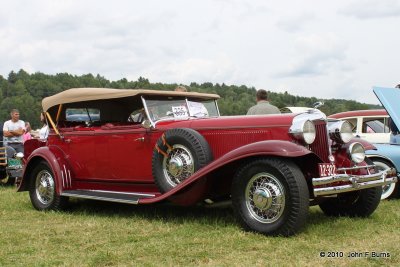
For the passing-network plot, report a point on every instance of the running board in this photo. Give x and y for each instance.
(112, 196)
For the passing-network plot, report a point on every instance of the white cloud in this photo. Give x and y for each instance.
(296, 22)
(216, 70)
(316, 55)
(295, 46)
(371, 9)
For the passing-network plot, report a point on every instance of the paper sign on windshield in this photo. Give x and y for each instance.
(180, 112)
(197, 109)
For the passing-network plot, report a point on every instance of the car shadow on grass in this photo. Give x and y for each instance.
(220, 213)
(158, 212)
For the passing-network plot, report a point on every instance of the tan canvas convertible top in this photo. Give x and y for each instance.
(86, 94)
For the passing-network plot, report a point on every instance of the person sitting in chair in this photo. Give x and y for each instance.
(13, 131)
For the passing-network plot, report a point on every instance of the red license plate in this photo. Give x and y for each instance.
(326, 169)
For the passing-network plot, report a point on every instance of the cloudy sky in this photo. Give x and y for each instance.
(326, 49)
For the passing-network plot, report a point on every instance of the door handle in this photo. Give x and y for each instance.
(67, 141)
(140, 139)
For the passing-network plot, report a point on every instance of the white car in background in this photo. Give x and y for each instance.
(371, 125)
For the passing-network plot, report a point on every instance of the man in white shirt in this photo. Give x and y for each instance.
(13, 130)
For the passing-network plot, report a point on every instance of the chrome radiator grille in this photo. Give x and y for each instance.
(321, 143)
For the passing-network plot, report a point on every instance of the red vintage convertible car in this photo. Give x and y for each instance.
(146, 146)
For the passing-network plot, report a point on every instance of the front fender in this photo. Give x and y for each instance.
(389, 152)
(263, 148)
(367, 145)
(55, 158)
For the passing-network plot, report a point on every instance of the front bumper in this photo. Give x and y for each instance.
(14, 172)
(357, 182)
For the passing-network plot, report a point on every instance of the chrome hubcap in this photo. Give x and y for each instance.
(175, 166)
(265, 198)
(262, 198)
(178, 165)
(45, 187)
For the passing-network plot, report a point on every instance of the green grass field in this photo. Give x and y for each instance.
(92, 233)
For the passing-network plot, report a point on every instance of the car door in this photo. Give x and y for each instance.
(126, 153)
(80, 146)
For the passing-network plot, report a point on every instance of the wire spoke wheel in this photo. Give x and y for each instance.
(178, 165)
(270, 196)
(44, 187)
(265, 198)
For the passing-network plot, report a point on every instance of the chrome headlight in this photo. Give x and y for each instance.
(341, 131)
(356, 152)
(304, 131)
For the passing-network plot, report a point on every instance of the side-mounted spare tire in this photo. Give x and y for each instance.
(177, 155)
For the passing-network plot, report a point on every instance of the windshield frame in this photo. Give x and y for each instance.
(153, 122)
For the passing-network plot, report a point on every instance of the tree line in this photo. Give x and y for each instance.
(25, 92)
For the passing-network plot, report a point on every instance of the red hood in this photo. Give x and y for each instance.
(232, 122)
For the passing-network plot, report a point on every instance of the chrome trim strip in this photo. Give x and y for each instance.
(101, 198)
(69, 178)
(122, 193)
(66, 177)
(62, 178)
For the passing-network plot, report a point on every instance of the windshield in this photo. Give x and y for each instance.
(180, 109)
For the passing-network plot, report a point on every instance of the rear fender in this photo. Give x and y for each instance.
(264, 148)
(56, 160)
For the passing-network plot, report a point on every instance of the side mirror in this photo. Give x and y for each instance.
(146, 124)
